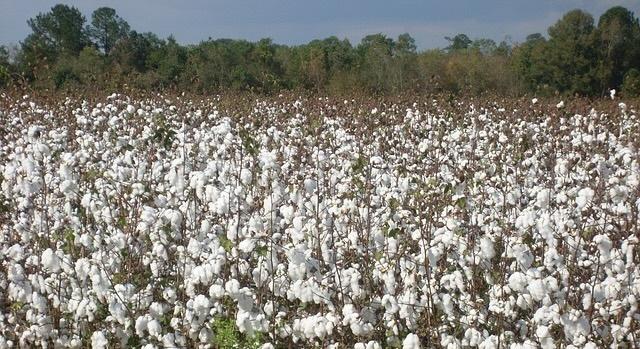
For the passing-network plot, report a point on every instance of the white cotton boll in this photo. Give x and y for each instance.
(168, 341)
(373, 345)
(216, 291)
(490, 342)
(518, 281)
(131, 109)
(537, 289)
(160, 251)
(298, 223)
(245, 176)
(16, 253)
(390, 304)
(586, 301)
(68, 188)
(50, 262)
(169, 294)
(310, 185)
(585, 195)
(560, 105)
(154, 328)
(247, 245)
(542, 198)
(156, 310)
(411, 341)
(232, 287)
(118, 311)
(201, 305)
(472, 337)
(267, 346)
(141, 325)
(423, 146)
(194, 248)
(447, 304)
(137, 189)
(98, 340)
(604, 246)
(487, 250)
(546, 341)
(534, 101)
(205, 335)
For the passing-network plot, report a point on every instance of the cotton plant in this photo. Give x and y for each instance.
(171, 222)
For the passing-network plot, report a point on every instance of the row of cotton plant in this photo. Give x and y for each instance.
(173, 222)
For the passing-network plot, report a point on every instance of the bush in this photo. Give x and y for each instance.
(631, 83)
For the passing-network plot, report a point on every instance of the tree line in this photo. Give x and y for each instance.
(578, 56)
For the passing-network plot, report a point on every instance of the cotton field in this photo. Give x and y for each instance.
(284, 222)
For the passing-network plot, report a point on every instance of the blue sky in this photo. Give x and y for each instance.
(296, 22)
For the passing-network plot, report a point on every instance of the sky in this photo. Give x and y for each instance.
(294, 22)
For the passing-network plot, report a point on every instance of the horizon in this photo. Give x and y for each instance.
(288, 22)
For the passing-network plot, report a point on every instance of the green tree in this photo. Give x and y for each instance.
(484, 46)
(376, 55)
(168, 62)
(458, 42)
(631, 83)
(572, 55)
(107, 28)
(131, 53)
(61, 29)
(530, 62)
(618, 36)
(90, 67)
(404, 65)
(4, 66)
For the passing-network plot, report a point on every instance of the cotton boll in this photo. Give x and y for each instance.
(205, 335)
(169, 294)
(50, 262)
(373, 345)
(542, 198)
(518, 281)
(411, 341)
(585, 195)
(201, 306)
(98, 340)
(487, 250)
(604, 244)
(16, 253)
(472, 337)
(490, 342)
(232, 287)
(141, 325)
(546, 341)
(245, 176)
(310, 185)
(216, 291)
(390, 304)
(537, 289)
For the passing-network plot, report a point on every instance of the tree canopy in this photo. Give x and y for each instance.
(578, 56)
